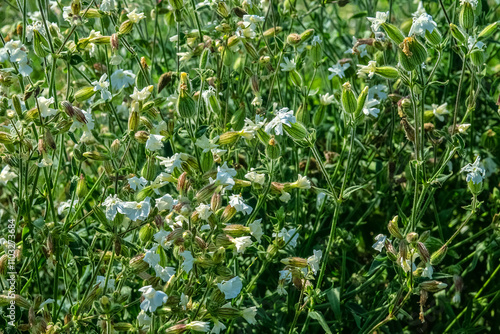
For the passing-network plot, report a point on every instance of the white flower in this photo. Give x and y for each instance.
(231, 288)
(165, 273)
(284, 116)
(253, 18)
(428, 270)
(184, 301)
(473, 43)
(285, 197)
(101, 281)
(143, 319)
(15, 52)
(151, 257)
(218, 327)
(476, 173)
(326, 99)
(45, 162)
(377, 91)
(122, 79)
(187, 265)
(256, 229)
(367, 69)
(46, 302)
(6, 175)
(316, 40)
(204, 211)
(462, 128)
(112, 202)
(107, 5)
(135, 210)
(44, 106)
(315, 260)
(152, 298)
(143, 94)
(135, 17)
(224, 176)
(378, 20)
(473, 3)
(154, 142)
(242, 243)
(236, 201)
(257, 101)
(249, 315)
(166, 202)
(369, 109)
(421, 24)
(206, 144)
(338, 70)
(137, 183)
(199, 326)
(320, 200)
(161, 237)
(439, 111)
(171, 163)
(302, 183)
(255, 177)
(102, 86)
(380, 242)
(288, 65)
(287, 236)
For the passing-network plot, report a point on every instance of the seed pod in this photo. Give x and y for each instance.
(393, 32)
(458, 34)
(390, 251)
(295, 262)
(387, 72)
(273, 150)
(488, 31)
(125, 27)
(319, 116)
(16, 102)
(477, 57)
(438, 255)
(306, 35)
(49, 139)
(133, 121)
(95, 155)
(422, 250)
(146, 233)
(293, 39)
(227, 214)
(348, 100)
(236, 230)
(81, 187)
(222, 9)
(252, 51)
(433, 286)
(466, 16)
(316, 52)
(68, 108)
(297, 131)
(137, 263)
(413, 53)
(85, 93)
(434, 37)
(296, 78)
(409, 130)
(271, 32)
(186, 106)
(216, 202)
(394, 229)
(228, 138)
(101, 40)
(240, 12)
(361, 101)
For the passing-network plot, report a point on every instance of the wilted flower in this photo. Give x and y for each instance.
(380, 242)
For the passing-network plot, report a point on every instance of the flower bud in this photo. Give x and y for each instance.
(306, 35)
(236, 230)
(81, 187)
(319, 116)
(297, 131)
(387, 72)
(164, 81)
(348, 100)
(439, 255)
(133, 121)
(186, 106)
(227, 214)
(412, 53)
(85, 93)
(393, 32)
(394, 229)
(434, 37)
(125, 27)
(295, 262)
(101, 40)
(216, 202)
(458, 34)
(252, 51)
(424, 236)
(16, 102)
(433, 286)
(488, 31)
(412, 237)
(293, 39)
(422, 250)
(146, 233)
(466, 16)
(273, 150)
(271, 32)
(6, 138)
(95, 155)
(390, 251)
(361, 101)
(223, 9)
(477, 57)
(141, 137)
